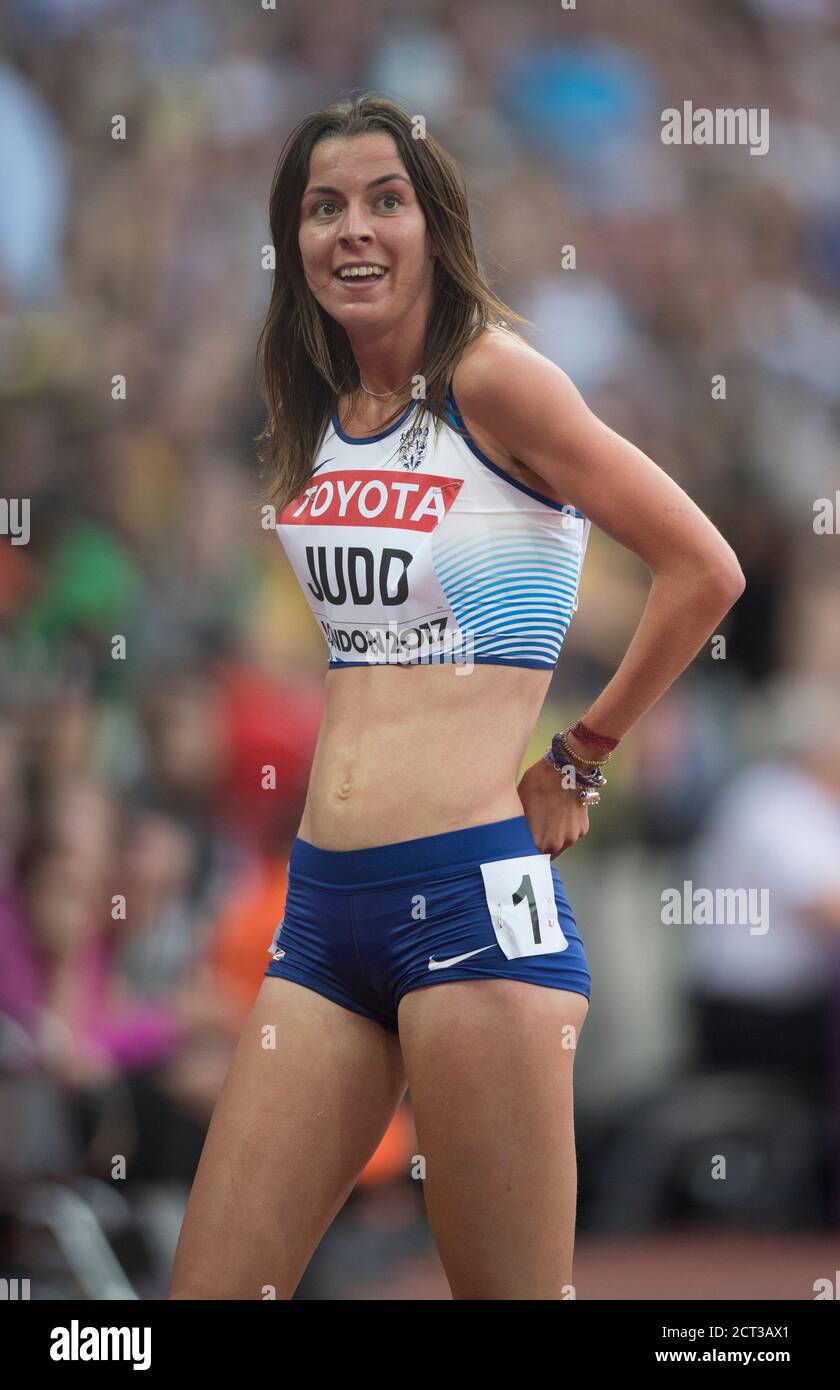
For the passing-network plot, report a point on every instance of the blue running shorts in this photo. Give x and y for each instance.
(364, 926)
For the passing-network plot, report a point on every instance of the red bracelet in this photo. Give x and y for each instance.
(586, 735)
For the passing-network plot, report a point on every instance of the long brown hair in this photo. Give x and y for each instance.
(305, 358)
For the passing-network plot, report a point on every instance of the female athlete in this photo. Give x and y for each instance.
(436, 480)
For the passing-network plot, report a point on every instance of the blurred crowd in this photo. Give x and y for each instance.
(161, 677)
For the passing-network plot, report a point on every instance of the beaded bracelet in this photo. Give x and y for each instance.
(589, 793)
(587, 762)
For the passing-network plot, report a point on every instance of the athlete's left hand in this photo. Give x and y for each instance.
(555, 816)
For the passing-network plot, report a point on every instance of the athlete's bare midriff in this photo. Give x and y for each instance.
(408, 751)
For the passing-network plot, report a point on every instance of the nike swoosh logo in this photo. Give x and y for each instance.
(321, 465)
(453, 960)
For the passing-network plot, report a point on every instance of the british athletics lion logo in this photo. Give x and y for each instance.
(412, 447)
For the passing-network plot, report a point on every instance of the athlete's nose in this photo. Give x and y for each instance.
(348, 238)
(354, 228)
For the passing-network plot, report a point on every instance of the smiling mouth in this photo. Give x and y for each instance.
(356, 280)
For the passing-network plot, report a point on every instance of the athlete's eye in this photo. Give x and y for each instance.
(326, 203)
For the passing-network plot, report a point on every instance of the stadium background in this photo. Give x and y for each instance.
(141, 776)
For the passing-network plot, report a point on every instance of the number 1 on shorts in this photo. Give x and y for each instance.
(510, 885)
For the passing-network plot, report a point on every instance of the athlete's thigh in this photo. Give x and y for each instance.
(489, 1066)
(311, 1089)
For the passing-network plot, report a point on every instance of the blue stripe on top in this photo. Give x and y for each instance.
(457, 419)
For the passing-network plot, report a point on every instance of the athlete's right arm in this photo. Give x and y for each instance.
(531, 408)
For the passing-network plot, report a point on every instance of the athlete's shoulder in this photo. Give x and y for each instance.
(500, 377)
(486, 359)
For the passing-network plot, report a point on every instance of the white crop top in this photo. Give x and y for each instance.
(412, 547)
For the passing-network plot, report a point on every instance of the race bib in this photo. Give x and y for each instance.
(520, 896)
(275, 949)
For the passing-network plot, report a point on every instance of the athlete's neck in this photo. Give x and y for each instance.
(366, 414)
